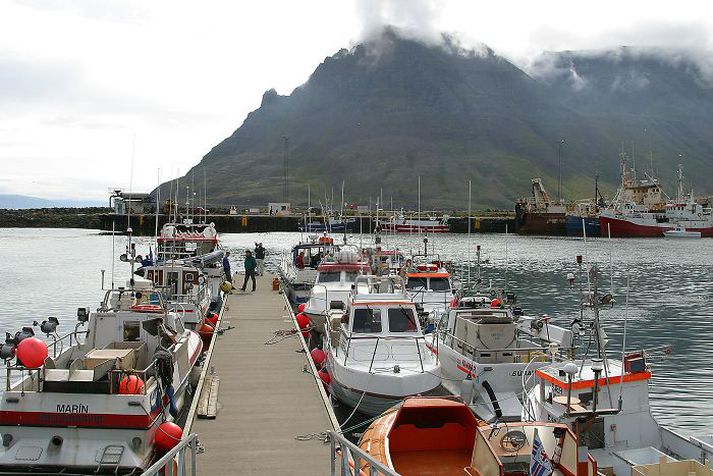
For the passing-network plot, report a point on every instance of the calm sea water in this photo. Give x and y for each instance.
(49, 272)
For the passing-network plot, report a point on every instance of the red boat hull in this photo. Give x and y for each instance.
(621, 228)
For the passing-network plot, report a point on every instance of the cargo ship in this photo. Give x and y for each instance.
(540, 215)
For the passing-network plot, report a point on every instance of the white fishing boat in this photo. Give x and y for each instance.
(429, 285)
(402, 224)
(376, 352)
(681, 232)
(606, 401)
(298, 269)
(333, 285)
(195, 245)
(95, 402)
(489, 348)
(185, 289)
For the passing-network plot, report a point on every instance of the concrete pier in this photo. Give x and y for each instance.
(266, 399)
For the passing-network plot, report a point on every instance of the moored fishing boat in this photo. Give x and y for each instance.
(402, 224)
(490, 348)
(335, 279)
(426, 436)
(429, 284)
(298, 269)
(681, 232)
(96, 404)
(376, 352)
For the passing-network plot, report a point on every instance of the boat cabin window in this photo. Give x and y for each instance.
(132, 331)
(367, 320)
(402, 319)
(350, 276)
(440, 284)
(416, 283)
(329, 276)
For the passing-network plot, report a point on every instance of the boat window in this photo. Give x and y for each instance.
(440, 284)
(367, 320)
(402, 319)
(132, 331)
(329, 276)
(416, 283)
(350, 276)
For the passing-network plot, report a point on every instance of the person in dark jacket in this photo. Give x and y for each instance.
(250, 265)
(260, 258)
(226, 268)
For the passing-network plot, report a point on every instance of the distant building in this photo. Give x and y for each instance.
(134, 203)
(279, 208)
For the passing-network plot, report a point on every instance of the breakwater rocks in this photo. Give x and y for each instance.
(53, 218)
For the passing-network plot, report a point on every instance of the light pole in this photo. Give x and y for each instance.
(559, 163)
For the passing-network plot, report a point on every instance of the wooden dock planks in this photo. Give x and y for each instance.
(265, 398)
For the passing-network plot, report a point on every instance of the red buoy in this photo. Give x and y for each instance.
(318, 357)
(301, 307)
(167, 436)
(131, 385)
(495, 303)
(454, 303)
(302, 320)
(32, 352)
(324, 377)
(212, 318)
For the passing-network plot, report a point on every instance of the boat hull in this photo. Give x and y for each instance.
(573, 225)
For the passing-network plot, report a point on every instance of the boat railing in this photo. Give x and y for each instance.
(415, 338)
(519, 354)
(115, 376)
(174, 462)
(347, 459)
(71, 337)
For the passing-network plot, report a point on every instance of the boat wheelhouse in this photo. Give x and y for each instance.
(333, 285)
(429, 285)
(376, 351)
(298, 270)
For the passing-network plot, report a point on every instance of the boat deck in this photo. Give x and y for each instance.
(265, 399)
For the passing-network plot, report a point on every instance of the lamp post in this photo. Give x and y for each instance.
(559, 163)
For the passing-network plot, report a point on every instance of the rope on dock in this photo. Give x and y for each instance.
(284, 334)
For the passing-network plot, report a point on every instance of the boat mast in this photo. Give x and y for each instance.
(470, 190)
(158, 203)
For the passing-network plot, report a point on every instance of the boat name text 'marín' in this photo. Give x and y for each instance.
(72, 408)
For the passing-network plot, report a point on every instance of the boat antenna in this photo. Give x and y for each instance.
(341, 214)
(611, 267)
(205, 199)
(158, 204)
(470, 255)
(113, 250)
(309, 209)
(419, 203)
(623, 342)
(507, 262)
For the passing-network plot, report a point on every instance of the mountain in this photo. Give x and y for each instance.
(16, 202)
(392, 109)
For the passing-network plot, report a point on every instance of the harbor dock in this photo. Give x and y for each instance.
(271, 409)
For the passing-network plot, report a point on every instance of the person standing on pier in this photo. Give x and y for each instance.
(260, 258)
(250, 265)
(226, 268)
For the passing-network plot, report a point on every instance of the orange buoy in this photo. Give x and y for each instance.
(324, 377)
(318, 357)
(131, 385)
(495, 303)
(167, 436)
(275, 284)
(32, 352)
(301, 307)
(206, 330)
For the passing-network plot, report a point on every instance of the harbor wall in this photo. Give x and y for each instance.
(145, 224)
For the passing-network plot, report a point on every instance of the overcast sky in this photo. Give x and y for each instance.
(86, 84)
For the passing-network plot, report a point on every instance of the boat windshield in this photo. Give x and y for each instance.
(402, 320)
(367, 321)
(416, 283)
(440, 284)
(329, 276)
